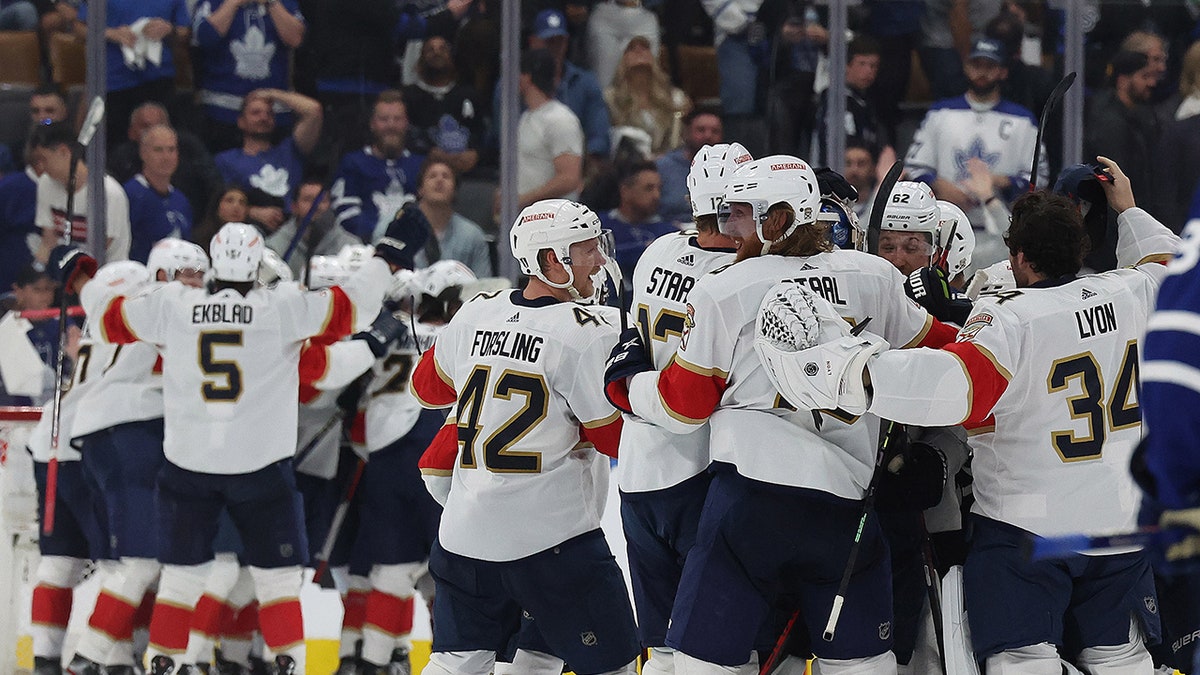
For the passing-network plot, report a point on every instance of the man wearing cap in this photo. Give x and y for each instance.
(1120, 122)
(973, 136)
(575, 87)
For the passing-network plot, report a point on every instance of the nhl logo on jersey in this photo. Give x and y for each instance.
(588, 638)
(1151, 604)
(885, 630)
(810, 369)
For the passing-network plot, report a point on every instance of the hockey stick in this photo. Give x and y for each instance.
(868, 504)
(311, 445)
(302, 227)
(45, 314)
(335, 526)
(1044, 548)
(91, 122)
(931, 589)
(1052, 102)
(875, 224)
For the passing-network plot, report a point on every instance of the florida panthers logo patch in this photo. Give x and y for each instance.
(972, 327)
(688, 322)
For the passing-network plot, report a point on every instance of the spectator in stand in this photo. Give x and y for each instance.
(574, 87)
(896, 24)
(635, 222)
(141, 66)
(701, 127)
(741, 43)
(950, 28)
(862, 122)
(445, 116)
(1176, 168)
(978, 135)
(196, 177)
(266, 172)
(455, 237)
(19, 235)
(861, 172)
(354, 48)
(550, 140)
(156, 209)
(1027, 86)
(321, 237)
(33, 289)
(374, 182)
(20, 15)
(1120, 122)
(796, 39)
(230, 205)
(1154, 46)
(241, 46)
(611, 26)
(642, 96)
(46, 104)
(55, 144)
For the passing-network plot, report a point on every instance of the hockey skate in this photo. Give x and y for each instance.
(283, 665)
(399, 664)
(163, 665)
(81, 666)
(47, 666)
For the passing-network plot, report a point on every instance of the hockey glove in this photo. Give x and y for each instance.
(834, 184)
(405, 236)
(68, 264)
(1185, 547)
(915, 479)
(628, 358)
(385, 330)
(930, 288)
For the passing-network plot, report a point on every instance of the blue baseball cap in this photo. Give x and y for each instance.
(550, 23)
(988, 49)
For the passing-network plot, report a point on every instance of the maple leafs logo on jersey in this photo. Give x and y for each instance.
(688, 260)
(1087, 294)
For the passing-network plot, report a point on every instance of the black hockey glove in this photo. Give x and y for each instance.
(385, 330)
(67, 264)
(834, 184)
(930, 288)
(914, 480)
(628, 358)
(405, 236)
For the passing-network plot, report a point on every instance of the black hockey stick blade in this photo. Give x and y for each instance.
(875, 224)
(1052, 102)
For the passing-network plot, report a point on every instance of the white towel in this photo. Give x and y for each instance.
(144, 49)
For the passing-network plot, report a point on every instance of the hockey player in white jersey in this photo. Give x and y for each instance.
(119, 424)
(521, 528)
(769, 458)
(1052, 366)
(80, 528)
(662, 476)
(230, 366)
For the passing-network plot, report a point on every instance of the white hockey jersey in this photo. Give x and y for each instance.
(528, 377)
(230, 362)
(128, 389)
(1053, 372)
(92, 359)
(716, 374)
(391, 408)
(653, 458)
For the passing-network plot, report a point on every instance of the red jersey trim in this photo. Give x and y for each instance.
(688, 393)
(935, 334)
(987, 381)
(114, 325)
(438, 459)
(432, 387)
(340, 319)
(606, 437)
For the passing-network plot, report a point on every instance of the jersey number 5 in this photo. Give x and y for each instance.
(217, 391)
(498, 457)
(1120, 411)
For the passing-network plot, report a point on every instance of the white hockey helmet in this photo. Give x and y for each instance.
(352, 256)
(762, 183)
(122, 277)
(711, 170)
(236, 251)
(911, 207)
(552, 224)
(325, 271)
(442, 275)
(954, 223)
(273, 269)
(171, 255)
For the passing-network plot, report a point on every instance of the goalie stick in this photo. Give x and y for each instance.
(1052, 102)
(875, 224)
(91, 123)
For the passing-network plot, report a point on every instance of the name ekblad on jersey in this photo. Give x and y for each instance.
(670, 284)
(1093, 321)
(509, 344)
(218, 313)
(826, 287)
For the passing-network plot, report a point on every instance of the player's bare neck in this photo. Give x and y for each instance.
(539, 289)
